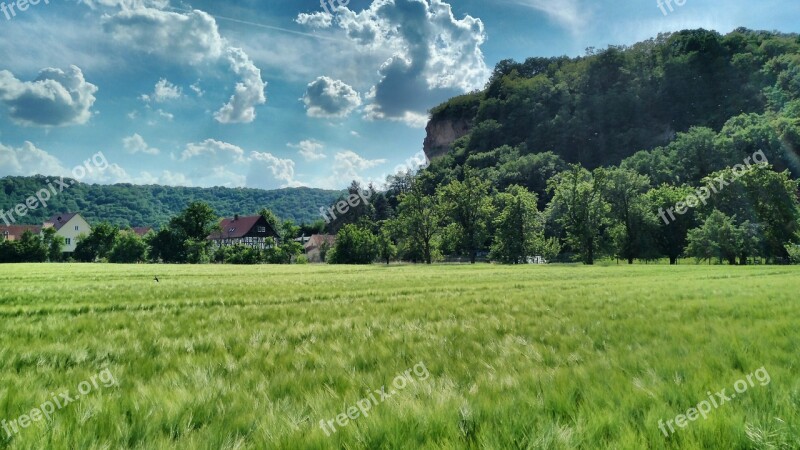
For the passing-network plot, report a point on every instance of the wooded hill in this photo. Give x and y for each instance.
(128, 205)
(598, 109)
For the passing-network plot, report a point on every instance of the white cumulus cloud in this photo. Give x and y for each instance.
(329, 98)
(213, 150)
(163, 91)
(310, 150)
(136, 144)
(55, 98)
(435, 55)
(248, 93)
(188, 37)
(267, 171)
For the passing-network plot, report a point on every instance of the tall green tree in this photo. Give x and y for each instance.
(579, 208)
(468, 205)
(670, 234)
(419, 220)
(520, 229)
(98, 244)
(54, 244)
(625, 190)
(718, 237)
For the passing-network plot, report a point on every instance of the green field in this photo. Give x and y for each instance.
(528, 357)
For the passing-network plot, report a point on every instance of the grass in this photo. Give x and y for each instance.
(529, 357)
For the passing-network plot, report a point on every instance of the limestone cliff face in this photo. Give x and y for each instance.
(441, 133)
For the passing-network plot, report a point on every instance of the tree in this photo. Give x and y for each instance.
(468, 205)
(54, 244)
(271, 219)
(9, 252)
(185, 239)
(31, 249)
(763, 197)
(519, 228)
(418, 221)
(386, 248)
(624, 190)
(354, 245)
(196, 222)
(718, 237)
(128, 248)
(579, 208)
(166, 245)
(98, 244)
(670, 235)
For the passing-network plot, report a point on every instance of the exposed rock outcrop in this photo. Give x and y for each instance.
(441, 133)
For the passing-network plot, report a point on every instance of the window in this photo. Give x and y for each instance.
(262, 229)
(69, 241)
(76, 228)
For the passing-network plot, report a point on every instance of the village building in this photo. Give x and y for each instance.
(251, 231)
(69, 226)
(316, 244)
(15, 232)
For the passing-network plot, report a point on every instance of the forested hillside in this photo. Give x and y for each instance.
(128, 205)
(599, 109)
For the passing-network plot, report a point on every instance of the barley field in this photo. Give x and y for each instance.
(491, 357)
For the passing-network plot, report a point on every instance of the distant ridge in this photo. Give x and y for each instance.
(153, 205)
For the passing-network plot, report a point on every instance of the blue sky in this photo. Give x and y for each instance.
(273, 94)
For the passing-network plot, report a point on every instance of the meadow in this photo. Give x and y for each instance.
(526, 357)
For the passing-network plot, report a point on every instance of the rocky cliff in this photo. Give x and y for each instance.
(441, 133)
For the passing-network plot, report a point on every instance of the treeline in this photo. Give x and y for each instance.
(126, 205)
(735, 215)
(183, 240)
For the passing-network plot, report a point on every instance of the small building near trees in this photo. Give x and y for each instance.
(252, 231)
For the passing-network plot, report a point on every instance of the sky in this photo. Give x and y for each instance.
(272, 94)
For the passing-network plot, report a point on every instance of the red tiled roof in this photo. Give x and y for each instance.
(59, 220)
(16, 231)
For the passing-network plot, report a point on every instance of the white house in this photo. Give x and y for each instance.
(69, 226)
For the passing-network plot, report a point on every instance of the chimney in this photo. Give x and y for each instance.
(235, 217)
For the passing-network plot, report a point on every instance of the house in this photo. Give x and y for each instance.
(252, 231)
(69, 226)
(315, 244)
(14, 232)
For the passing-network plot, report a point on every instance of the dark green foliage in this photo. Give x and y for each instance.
(128, 249)
(125, 205)
(354, 245)
(98, 244)
(599, 109)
